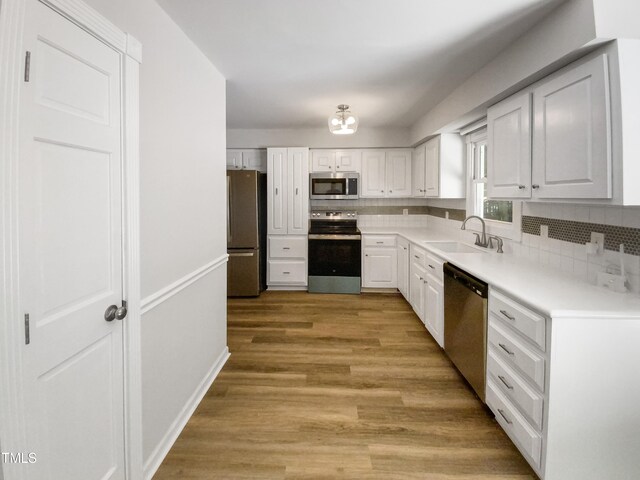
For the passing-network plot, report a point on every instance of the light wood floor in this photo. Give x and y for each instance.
(338, 386)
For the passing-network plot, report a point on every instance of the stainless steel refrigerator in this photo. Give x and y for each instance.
(246, 232)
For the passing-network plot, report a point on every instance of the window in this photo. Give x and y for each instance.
(502, 216)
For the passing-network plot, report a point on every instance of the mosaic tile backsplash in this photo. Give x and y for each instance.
(580, 232)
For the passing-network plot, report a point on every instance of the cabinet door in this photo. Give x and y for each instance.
(298, 191)
(418, 171)
(380, 268)
(572, 134)
(432, 168)
(403, 268)
(276, 190)
(509, 148)
(254, 160)
(416, 289)
(323, 161)
(348, 160)
(234, 159)
(372, 174)
(434, 308)
(398, 173)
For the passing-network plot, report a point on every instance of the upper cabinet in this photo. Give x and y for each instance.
(335, 160)
(553, 140)
(509, 147)
(288, 191)
(385, 173)
(251, 159)
(439, 168)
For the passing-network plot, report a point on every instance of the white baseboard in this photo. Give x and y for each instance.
(287, 288)
(162, 449)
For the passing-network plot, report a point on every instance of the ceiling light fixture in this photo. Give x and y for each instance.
(343, 122)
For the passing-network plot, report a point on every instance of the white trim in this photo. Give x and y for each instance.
(90, 20)
(474, 126)
(162, 449)
(132, 328)
(12, 420)
(285, 288)
(162, 295)
(134, 48)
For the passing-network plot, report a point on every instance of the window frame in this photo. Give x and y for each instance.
(513, 230)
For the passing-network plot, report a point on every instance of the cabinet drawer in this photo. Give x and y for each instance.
(516, 353)
(418, 256)
(523, 435)
(287, 247)
(292, 272)
(379, 240)
(434, 266)
(510, 384)
(526, 321)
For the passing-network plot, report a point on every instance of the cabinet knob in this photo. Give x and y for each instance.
(390, 191)
(521, 187)
(381, 191)
(535, 187)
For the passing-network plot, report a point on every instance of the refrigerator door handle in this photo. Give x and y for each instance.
(244, 254)
(229, 209)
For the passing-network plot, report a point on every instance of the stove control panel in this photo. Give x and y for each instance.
(334, 215)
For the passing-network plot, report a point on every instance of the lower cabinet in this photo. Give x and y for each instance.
(379, 261)
(287, 262)
(434, 308)
(403, 267)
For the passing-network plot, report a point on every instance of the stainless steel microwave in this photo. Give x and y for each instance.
(333, 186)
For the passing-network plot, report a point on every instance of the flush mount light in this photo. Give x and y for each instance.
(343, 122)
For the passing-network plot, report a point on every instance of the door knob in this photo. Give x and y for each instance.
(121, 312)
(110, 313)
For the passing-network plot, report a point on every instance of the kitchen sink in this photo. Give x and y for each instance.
(453, 247)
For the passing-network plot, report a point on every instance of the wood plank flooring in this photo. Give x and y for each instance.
(338, 386)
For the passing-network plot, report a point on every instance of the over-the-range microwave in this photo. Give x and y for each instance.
(333, 186)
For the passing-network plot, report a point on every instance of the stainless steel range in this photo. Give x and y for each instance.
(334, 252)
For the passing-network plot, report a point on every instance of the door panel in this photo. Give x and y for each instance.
(70, 243)
(276, 185)
(348, 160)
(373, 172)
(398, 175)
(298, 174)
(432, 168)
(323, 161)
(418, 171)
(572, 144)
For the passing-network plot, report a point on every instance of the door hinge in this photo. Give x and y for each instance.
(27, 334)
(27, 66)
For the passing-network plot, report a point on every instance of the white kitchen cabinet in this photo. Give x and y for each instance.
(418, 171)
(417, 291)
(385, 173)
(509, 147)
(335, 161)
(398, 173)
(250, 159)
(434, 308)
(379, 262)
(403, 267)
(572, 142)
(439, 168)
(287, 216)
(568, 115)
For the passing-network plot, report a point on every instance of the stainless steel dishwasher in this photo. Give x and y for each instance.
(465, 325)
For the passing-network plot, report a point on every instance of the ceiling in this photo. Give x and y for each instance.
(288, 63)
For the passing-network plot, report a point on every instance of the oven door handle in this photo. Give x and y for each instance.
(316, 236)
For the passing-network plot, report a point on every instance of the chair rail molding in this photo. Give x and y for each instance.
(162, 295)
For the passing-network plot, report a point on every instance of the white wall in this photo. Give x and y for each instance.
(182, 122)
(317, 138)
(557, 39)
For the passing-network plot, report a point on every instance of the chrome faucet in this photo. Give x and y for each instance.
(480, 241)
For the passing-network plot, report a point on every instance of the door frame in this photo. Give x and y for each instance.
(13, 415)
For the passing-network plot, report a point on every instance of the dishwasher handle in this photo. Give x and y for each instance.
(468, 281)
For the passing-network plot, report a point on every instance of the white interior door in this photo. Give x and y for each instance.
(70, 242)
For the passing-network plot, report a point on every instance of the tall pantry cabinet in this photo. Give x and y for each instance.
(287, 217)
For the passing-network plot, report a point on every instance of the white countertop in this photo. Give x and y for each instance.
(550, 291)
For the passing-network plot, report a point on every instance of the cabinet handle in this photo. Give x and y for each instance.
(504, 312)
(521, 187)
(276, 190)
(535, 187)
(416, 256)
(404, 248)
(296, 190)
(506, 419)
(286, 273)
(432, 267)
(286, 248)
(390, 191)
(505, 382)
(381, 191)
(505, 349)
(337, 166)
(379, 243)
(366, 254)
(421, 279)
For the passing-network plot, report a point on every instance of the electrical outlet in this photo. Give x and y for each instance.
(405, 211)
(544, 231)
(446, 214)
(598, 239)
